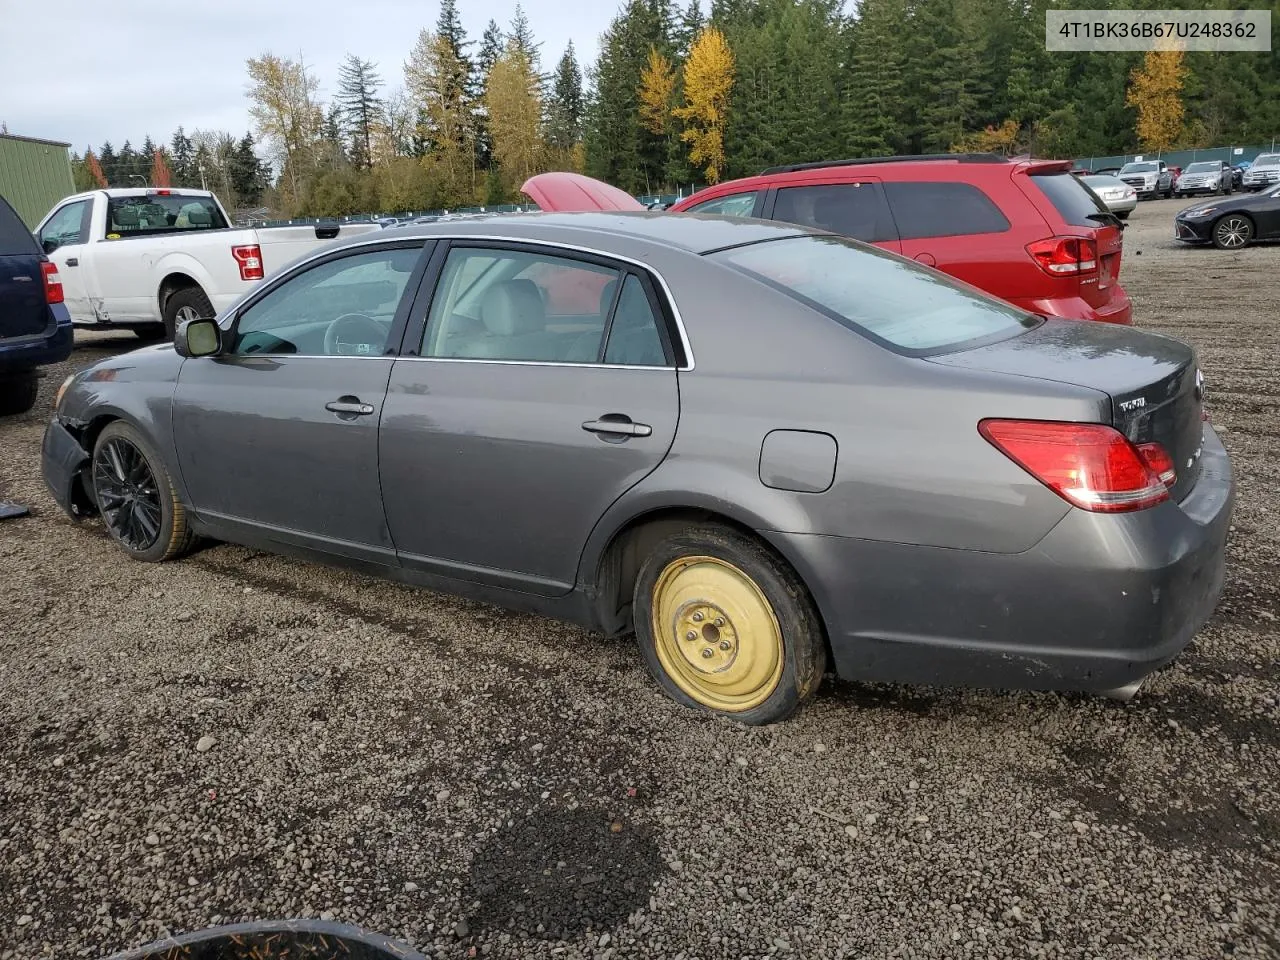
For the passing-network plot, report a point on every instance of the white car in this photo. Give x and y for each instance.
(1263, 172)
(149, 258)
(1118, 196)
(1204, 176)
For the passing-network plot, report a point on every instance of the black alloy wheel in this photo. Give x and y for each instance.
(127, 494)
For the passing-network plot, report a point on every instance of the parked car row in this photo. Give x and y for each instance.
(1232, 223)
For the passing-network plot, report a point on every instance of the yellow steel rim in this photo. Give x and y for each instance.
(716, 634)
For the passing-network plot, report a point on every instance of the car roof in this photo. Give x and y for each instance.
(621, 232)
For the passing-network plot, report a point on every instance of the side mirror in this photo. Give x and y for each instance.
(49, 244)
(198, 338)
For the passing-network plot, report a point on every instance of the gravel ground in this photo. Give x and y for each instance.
(241, 736)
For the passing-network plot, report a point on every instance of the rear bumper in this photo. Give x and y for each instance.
(1117, 309)
(61, 461)
(1099, 603)
(25, 353)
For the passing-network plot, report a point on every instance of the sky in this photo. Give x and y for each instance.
(86, 71)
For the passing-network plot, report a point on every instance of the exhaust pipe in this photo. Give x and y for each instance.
(1127, 692)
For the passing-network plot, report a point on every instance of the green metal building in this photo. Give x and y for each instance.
(34, 175)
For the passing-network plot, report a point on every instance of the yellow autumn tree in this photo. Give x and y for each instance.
(1155, 91)
(657, 86)
(514, 104)
(1002, 139)
(708, 81)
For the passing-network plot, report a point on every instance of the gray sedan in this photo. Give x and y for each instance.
(765, 450)
(1118, 197)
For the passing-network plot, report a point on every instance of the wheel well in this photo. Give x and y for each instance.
(172, 284)
(87, 436)
(620, 563)
(1237, 213)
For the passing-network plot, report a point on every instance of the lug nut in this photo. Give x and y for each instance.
(725, 644)
(719, 621)
(708, 653)
(691, 635)
(697, 618)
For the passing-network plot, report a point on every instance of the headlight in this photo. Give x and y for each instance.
(57, 398)
(1201, 213)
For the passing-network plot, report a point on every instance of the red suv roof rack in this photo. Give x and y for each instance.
(822, 164)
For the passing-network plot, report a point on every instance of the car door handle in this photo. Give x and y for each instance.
(348, 407)
(617, 425)
(73, 261)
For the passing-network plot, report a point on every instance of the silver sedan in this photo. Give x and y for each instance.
(762, 449)
(1120, 198)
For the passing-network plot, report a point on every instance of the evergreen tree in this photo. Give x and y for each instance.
(182, 159)
(491, 47)
(107, 161)
(359, 107)
(127, 166)
(522, 36)
(687, 27)
(247, 173)
(564, 109)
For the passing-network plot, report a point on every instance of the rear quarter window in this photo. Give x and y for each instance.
(15, 238)
(1075, 203)
(923, 209)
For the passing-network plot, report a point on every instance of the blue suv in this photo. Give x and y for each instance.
(35, 327)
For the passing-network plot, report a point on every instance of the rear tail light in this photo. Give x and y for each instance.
(52, 282)
(1065, 256)
(249, 259)
(1090, 465)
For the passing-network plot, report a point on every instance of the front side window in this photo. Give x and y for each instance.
(734, 205)
(852, 209)
(495, 304)
(168, 213)
(66, 226)
(342, 307)
(924, 209)
(894, 301)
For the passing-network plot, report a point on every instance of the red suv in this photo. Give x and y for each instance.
(1024, 230)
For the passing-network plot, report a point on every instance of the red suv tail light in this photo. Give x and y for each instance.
(1090, 465)
(52, 282)
(249, 259)
(1065, 256)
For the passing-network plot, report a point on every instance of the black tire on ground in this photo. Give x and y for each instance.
(803, 656)
(189, 303)
(1124, 214)
(150, 331)
(111, 461)
(1233, 231)
(18, 393)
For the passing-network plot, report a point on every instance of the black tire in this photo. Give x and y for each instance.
(1124, 214)
(124, 492)
(18, 393)
(1232, 231)
(188, 303)
(803, 653)
(150, 332)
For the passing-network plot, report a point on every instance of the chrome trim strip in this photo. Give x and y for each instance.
(262, 289)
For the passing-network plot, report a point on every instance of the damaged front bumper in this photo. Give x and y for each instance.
(63, 462)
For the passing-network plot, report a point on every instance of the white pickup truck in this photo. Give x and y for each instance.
(149, 258)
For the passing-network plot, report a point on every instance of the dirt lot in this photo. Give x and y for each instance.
(480, 783)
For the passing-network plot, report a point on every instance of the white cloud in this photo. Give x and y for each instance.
(85, 72)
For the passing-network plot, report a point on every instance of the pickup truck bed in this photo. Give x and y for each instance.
(146, 258)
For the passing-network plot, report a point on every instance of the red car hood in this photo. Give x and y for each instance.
(574, 193)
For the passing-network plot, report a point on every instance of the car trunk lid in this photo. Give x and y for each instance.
(1154, 383)
(562, 192)
(24, 311)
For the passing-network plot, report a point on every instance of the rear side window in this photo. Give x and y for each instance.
(942, 210)
(734, 205)
(15, 238)
(897, 303)
(173, 213)
(855, 210)
(1075, 204)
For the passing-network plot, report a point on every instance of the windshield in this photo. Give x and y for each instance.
(1203, 168)
(1267, 160)
(1139, 168)
(891, 300)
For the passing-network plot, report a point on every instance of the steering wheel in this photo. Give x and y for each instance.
(354, 334)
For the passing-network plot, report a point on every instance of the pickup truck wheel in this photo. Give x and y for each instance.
(18, 393)
(189, 303)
